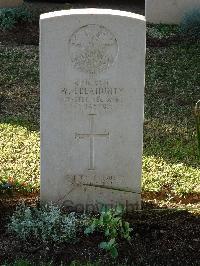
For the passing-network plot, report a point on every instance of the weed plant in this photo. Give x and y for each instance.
(111, 224)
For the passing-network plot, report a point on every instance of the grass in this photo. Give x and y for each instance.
(22, 262)
(19, 156)
(197, 120)
(170, 152)
(170, 160)
(160, 31)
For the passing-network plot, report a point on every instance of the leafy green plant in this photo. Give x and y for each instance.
(112, 225)
(190, 24)
(197, 120)
(10, 16)
(45, 225)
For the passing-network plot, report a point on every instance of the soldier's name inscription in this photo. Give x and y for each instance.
(93, 95)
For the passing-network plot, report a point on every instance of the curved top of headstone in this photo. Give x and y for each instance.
(91, 11)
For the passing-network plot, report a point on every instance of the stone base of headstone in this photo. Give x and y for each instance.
(86, 197)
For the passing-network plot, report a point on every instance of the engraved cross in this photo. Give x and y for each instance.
(91, 135)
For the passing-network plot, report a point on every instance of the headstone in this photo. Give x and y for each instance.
(92, 90)
(168, 11)
(10, 3)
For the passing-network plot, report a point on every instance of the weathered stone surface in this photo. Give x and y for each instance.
(92, 90)
(168, 11)
(10, 3)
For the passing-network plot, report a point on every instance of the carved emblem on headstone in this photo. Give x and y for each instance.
(93, 49)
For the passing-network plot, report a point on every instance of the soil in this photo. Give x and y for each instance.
(160, 237)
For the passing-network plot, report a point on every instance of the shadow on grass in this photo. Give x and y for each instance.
(172, 142)
(31, 125)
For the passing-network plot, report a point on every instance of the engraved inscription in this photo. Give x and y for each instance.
(92, 96)
(93, 49)
(91, 135)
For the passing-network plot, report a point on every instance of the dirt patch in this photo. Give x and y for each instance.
(159, 237)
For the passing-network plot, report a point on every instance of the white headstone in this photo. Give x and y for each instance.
(168, 11)
(92, 90)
